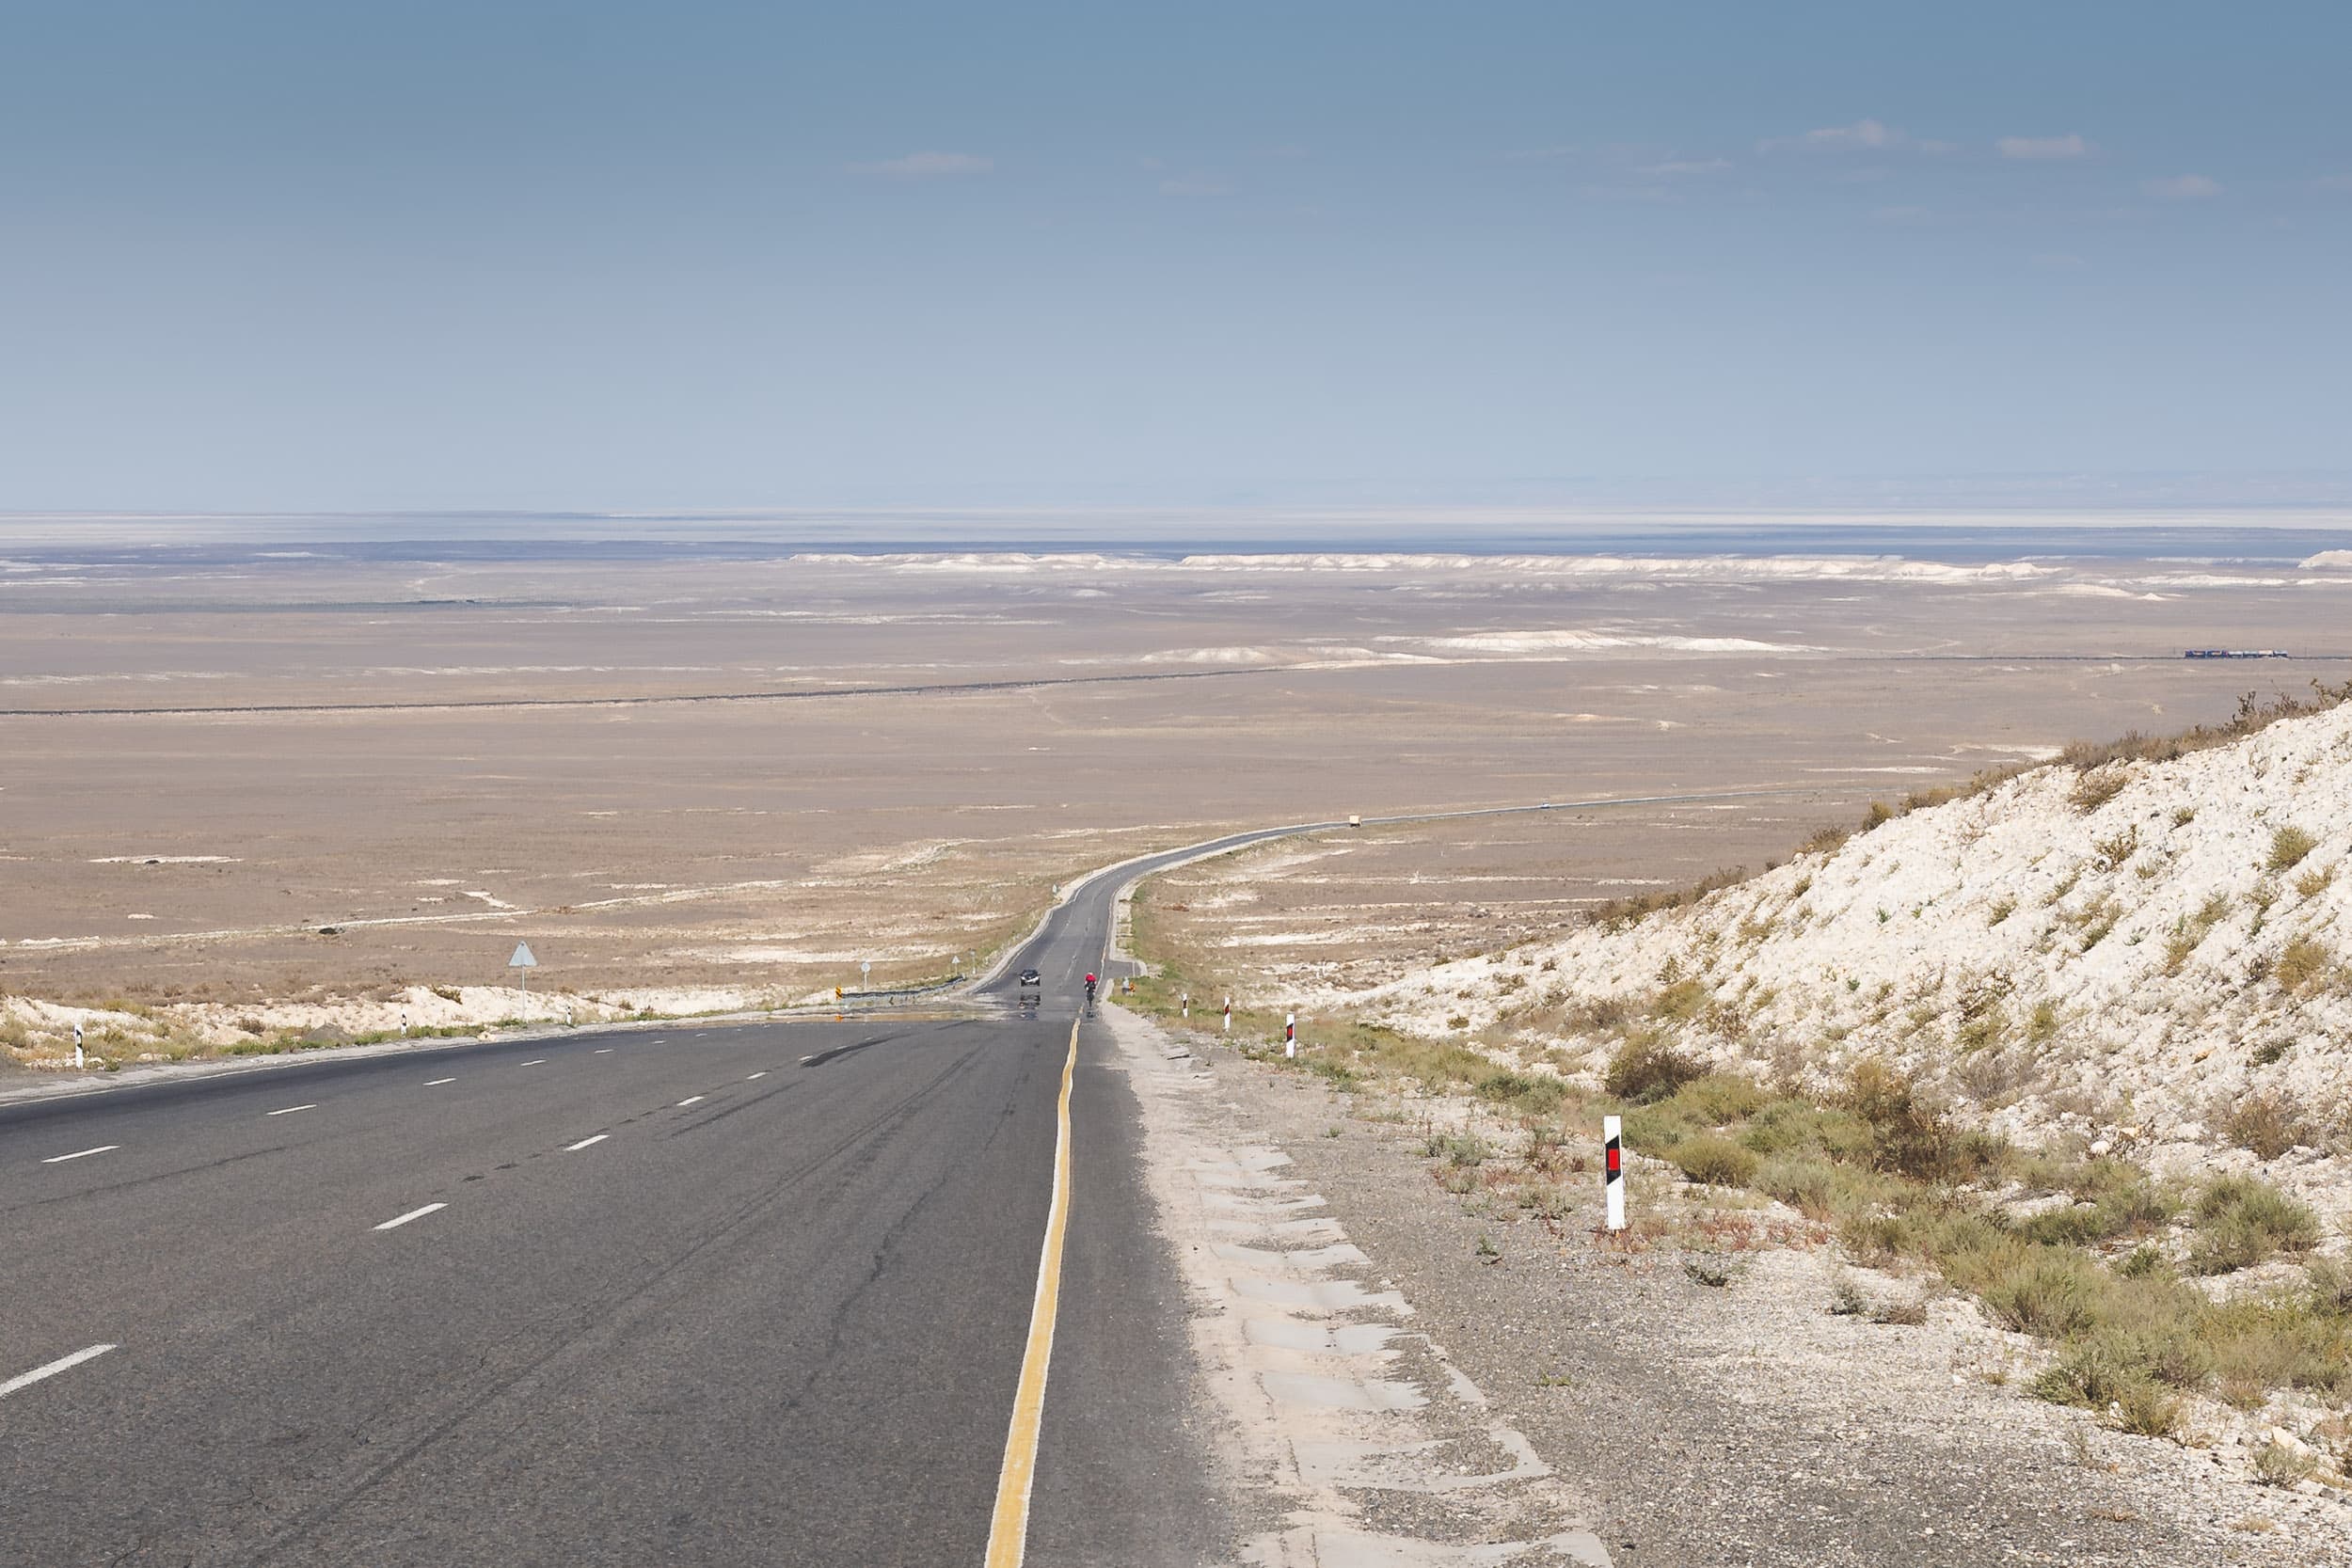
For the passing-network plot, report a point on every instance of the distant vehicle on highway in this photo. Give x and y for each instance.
(1032, 981)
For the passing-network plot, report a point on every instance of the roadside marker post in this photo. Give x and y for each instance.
(523, 963)
(1612, 1169)
(1185, 1000)
(1290, 1035)
(1229, 1014)
(78, 1045)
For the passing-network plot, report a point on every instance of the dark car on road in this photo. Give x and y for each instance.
(1032, 981)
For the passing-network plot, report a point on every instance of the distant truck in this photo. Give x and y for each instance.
(2238, 652)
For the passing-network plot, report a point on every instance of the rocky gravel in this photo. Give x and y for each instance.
(1746, 1424)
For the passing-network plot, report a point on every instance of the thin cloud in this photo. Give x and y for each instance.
(1628, 192)
(2044, 149)
(927, 166)
(2182, 187)
(1863, 135)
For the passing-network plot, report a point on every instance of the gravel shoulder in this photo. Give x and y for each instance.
(1745, 1423)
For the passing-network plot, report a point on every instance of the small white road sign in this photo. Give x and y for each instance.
(522, 959)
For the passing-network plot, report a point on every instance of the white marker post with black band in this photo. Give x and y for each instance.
(1612, 1169)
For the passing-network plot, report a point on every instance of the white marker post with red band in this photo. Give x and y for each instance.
(1290, 1034)
(1229, 1014)
(1612, 1169)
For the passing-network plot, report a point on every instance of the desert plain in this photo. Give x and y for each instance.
(318, 772)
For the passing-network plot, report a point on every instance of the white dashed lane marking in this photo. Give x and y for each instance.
(602, 1050)
(761, 1073)
(574, 1149)
(535, 1061)
(292, 1109)
(691, 1098)
(63, 1363)
(79, 1154)
(433, 1082)
(412, 1214)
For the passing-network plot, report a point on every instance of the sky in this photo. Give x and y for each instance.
(363, 256)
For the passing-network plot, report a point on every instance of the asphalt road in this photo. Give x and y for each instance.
(753, 1293)
(745, 1295)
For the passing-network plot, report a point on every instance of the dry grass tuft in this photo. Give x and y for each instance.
(2098, 785)
(2304, 964)
(2288, 845)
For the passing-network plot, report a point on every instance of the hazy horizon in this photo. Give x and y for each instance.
(2280, 535)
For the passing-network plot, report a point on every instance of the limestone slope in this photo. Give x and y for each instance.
(2151, 951)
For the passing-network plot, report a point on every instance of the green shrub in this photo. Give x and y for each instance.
(2259, 1344)
(1646, 1068)
(1718, 1097)
(1654, 1130)
(1716, 1160)
(2275, 1464)
(2089, 1375)
(1461, 1150)
(2330, 1282)
(1909, 1136)
(2243, 1220)
(1807, 1185)
(1535, 1094)
(2139, 1208)
(1798, 1124)
(2078, 1225)
(2046, 1291)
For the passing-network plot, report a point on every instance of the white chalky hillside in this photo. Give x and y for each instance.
(2150, 953)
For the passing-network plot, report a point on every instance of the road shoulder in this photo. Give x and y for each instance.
(1747, 1424)
(1353, 1435)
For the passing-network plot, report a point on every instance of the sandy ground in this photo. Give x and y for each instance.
(704, 807)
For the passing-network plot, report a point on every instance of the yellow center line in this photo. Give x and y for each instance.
(1008, 1526)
